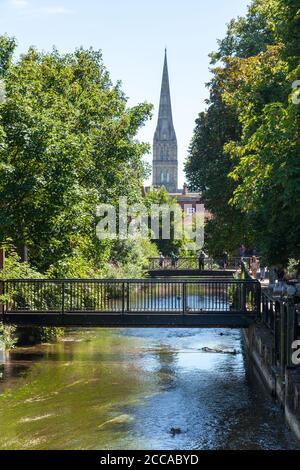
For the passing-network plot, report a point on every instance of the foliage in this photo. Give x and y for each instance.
(266, 159)
(207, 168)
(160, 197)
(14, 269)
(7, 48)
(7, 337)
(36, 335)
(128, 259)
(258, 162)
(10, 335)
(246, 36)
(69, 144)
(293, 269)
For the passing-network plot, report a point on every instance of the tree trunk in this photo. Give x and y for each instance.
(2, 258)
(23, 253)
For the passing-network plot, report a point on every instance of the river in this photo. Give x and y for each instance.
(127, 389)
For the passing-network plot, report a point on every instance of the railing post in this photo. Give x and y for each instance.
(183, 298)
(291, 331)
(277, 316)
(258, 298)
(2, 258)
(123, 298)
(265, 310)
(244, 297)
(128, 299)
(2, 292)
(62, 297)
(282, 343)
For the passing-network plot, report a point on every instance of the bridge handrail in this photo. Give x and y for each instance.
(131, 296)
(131, 280)
(279, 314)
(191, 262)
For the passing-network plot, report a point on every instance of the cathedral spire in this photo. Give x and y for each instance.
(165, 167)
(165, 119)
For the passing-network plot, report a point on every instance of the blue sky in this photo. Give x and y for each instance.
(132, 35)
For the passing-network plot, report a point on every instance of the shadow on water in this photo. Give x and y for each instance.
(126, 389)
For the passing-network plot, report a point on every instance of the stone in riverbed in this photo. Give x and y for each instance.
(174, 431)
(219, 351)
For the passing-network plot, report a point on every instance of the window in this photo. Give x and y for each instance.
(190, 210)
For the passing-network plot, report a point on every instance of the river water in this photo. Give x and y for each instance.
(127, 389)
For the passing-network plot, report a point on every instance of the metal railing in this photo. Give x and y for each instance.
(210, 263)
(280, 316)
(95, 296)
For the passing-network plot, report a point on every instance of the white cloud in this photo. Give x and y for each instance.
(19, 3)
(55, 10)
(48, 10)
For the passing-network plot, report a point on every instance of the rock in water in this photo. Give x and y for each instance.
(175, 431)
(219, 351)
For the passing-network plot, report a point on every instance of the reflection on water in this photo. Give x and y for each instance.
(126, 389)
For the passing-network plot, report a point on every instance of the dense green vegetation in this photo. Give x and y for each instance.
(244, 155)
(67, 143)
(9, 335)
(178, 241)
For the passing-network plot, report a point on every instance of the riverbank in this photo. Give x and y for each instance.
(284, 386)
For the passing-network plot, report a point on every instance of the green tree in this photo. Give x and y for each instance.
(260, 56)
(160, 197)
(247, 36)
(69, 144)
(207, 169)
(267, 170)
(7, 48)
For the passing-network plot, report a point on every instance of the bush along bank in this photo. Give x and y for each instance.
(11, 336)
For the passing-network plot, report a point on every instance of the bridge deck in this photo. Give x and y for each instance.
(133, 320)
(184, 272)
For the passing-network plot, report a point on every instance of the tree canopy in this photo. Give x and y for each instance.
(67, 143)
(244, 155)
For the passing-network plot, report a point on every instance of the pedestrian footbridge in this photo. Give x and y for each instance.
(189, 267)
(205, 302)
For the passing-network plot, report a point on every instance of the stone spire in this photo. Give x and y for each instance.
(165, 165)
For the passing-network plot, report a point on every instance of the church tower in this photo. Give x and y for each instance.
(165, 164)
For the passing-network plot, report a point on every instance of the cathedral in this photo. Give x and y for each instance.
(165, 161)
